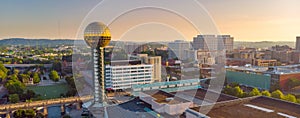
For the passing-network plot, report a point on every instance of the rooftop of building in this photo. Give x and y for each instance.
(201, 94)
(253, 107)
(249, 68)
(128, 109)
(289, 69)
(164, 97)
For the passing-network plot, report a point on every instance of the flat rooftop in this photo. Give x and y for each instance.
(201, 94)
(252, 68)
(161, 97)
(289, 69)
(125, 110)
(257, 107)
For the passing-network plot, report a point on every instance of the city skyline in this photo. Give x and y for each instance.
(245, 20)
(147, 58)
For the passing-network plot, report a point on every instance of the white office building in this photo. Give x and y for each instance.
(124, 76)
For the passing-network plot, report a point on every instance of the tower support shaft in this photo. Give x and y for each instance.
(99, 77)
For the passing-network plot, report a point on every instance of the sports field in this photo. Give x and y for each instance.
(51, 91)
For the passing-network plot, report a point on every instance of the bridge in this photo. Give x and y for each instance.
(8, 108)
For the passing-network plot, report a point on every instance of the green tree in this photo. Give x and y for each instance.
(36, 78)
(3, 72)
(290, 97)
(255, 92)
(14, 77)
(16, 71)
(2, 75)
(14, 98)
(238, 92)
(54, 76)
(25, 78)
(277, 94)
(30, 113)
(15, 87)
(228, 90)
(19, 113)
(2, 67)
(266, 93)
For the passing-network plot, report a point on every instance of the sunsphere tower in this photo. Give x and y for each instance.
(97, 36)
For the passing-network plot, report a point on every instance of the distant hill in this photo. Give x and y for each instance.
(262, 44)
(34, 42)
(49, 42)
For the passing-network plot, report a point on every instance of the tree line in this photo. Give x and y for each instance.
(235, 90)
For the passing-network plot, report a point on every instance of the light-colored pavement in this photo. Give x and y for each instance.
(50, 82)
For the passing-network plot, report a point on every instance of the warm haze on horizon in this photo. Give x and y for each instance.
(256, 20)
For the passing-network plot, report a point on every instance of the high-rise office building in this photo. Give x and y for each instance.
(156, 62)
(213, 42)
(298, 43)
(143, 57)
(178, 47)
(227, 42)
(205, 42)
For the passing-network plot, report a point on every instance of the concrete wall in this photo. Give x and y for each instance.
(175, 109)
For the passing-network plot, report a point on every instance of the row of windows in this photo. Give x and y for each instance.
(126, 83)
(130, 74)
(129, 84)
(135, 70)
(126, 68)
(131, 79)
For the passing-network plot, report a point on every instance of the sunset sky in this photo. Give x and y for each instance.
(251, 20)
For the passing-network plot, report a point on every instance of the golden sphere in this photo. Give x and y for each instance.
(97, 35)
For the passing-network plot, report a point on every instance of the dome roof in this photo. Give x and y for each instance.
(97, 34)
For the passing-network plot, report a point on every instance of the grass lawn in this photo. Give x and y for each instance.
(49, 92)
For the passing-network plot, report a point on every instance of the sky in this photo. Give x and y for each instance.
(251, 20)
